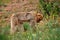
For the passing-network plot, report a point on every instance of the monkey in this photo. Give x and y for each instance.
(18, 19)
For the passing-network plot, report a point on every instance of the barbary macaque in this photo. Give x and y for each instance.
(18, 19)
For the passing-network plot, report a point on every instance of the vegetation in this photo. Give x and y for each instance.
(50, 30)
(50, 7)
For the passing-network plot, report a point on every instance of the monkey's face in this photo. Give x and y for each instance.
(38, 17)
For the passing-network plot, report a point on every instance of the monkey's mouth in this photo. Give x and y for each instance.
(38, 20)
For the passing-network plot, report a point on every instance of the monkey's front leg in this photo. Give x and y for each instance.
(32, 24)
(13, 25)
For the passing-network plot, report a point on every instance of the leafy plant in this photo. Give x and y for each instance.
(50, 8)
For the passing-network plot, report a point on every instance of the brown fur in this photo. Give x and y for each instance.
(18, 19)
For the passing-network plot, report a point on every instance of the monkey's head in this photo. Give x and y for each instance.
(38, 17)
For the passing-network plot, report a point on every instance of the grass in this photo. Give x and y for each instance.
(49, 31)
